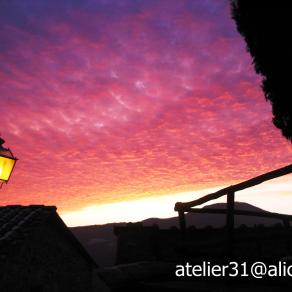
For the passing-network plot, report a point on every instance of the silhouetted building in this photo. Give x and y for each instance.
(136, 243)
(39, 253)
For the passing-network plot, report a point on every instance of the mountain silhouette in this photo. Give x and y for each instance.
(100, 240)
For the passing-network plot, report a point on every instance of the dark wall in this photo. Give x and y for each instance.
(137, 243)
(46, 261)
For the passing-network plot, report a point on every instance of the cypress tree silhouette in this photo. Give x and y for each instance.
(266, 28)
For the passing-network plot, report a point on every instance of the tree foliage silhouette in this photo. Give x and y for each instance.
(266, 28)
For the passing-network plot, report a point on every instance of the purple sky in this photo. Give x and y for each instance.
(108, 101)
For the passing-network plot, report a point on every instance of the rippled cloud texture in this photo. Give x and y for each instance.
(105, 101)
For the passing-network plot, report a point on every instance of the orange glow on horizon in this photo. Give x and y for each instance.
(273, 196)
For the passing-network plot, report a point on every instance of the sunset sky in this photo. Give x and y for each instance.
(117, 109)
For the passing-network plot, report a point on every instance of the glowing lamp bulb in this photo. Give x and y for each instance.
(7, 162)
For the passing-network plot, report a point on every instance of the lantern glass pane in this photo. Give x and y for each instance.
(6, 166)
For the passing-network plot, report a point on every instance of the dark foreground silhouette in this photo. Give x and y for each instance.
(156, 259)
(266, 28)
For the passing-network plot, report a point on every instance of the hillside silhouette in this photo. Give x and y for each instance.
(101, 242)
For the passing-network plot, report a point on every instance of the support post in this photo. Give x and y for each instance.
(182, 221)
(286, 223)
(230, 222)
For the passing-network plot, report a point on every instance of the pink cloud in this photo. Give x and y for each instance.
(106, 102)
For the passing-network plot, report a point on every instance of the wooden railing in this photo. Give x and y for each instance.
(187, 207)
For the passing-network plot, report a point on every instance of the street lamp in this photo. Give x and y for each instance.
(7, 162)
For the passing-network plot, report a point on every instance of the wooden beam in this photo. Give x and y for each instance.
(235, 188)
